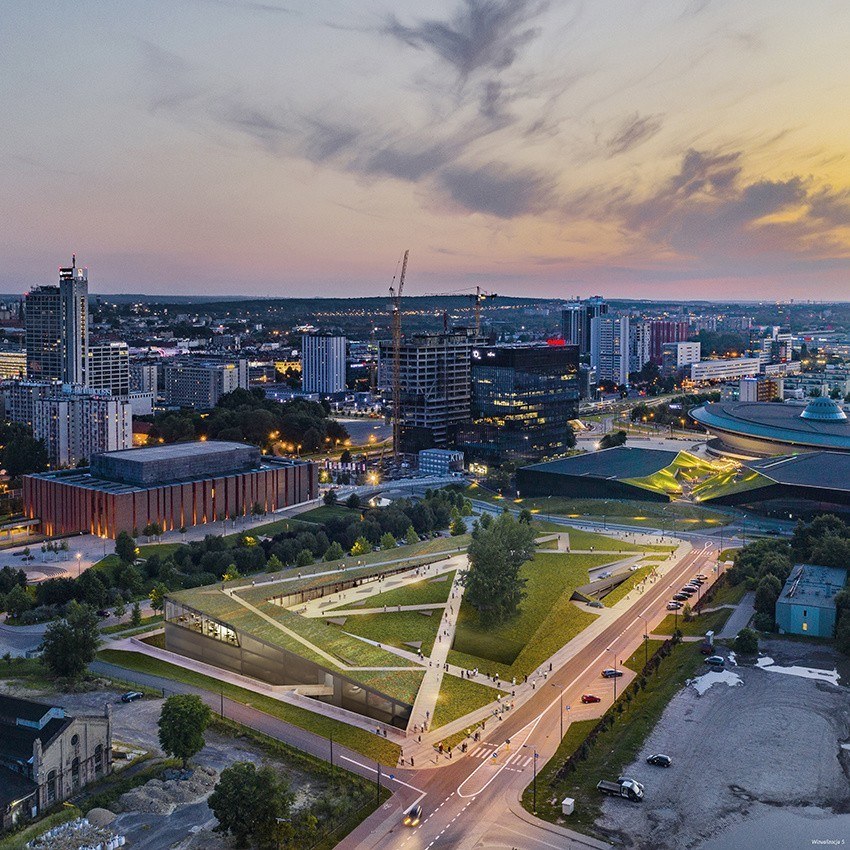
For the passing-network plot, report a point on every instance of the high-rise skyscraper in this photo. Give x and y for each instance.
(57, 328)
(663, 331)
(322, 363)
(576, 319)
(609, 348)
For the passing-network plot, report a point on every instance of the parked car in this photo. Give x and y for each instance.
(595, 603)
(660, 760)
(413, 815)
(690, 591)
(131, 696)
(715, 661)
(697, 580)
(103, 613)
(611, 673)
(588, 698)
(681, 597)
(703, 576)
(674, 606)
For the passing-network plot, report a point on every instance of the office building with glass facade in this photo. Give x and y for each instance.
(523, 398)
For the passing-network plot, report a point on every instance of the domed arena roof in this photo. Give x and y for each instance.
(823, 410)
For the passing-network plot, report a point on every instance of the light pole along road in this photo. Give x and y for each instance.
(473, 801)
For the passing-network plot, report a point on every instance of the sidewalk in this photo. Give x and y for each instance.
(740, 617)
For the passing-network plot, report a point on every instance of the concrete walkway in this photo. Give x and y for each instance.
(429, 690)
(740, 617)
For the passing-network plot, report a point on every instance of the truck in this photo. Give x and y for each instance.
(631, 789)
(707, 646)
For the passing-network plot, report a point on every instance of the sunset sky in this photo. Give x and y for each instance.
(660, 149)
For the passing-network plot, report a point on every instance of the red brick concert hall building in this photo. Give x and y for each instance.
(184, 484)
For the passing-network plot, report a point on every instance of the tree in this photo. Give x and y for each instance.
(387, 541)
(91, 589)
(125, 547)
(330, 498)
(249, 802)
(157, 596)
(687, 612)
(274, 563)
(136, 615)
(353, 502)
(458, 526)
(615, 438)
(493, 585)
(525, 516)
(231, 573)
(361, 546)
(345, 457)
(334, 552)
(466, 508)
(18, 601)
(69, 645)
(767, 593)
(411, 536)
(182, 722)
(747, 642)
(842, 633)
(119, 610)
(304, 558)
(23, 454)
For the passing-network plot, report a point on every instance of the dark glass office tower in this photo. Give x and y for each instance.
(523, 397)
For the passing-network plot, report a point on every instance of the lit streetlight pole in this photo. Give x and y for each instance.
(79, 559)
(645, 639)
(534, 781)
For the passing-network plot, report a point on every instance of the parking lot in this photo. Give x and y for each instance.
(755, 740)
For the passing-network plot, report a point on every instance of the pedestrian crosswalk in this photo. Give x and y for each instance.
(515, 759)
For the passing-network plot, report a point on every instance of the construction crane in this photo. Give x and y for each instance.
(476, 297)
(395, 301)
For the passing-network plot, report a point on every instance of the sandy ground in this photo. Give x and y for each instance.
(754, 741)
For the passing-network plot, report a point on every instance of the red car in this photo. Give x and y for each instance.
(586, 698)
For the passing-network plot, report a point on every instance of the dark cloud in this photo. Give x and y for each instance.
(325, 140)
(261, 125)
(410, 164)
(497, 189)
(481, 34)
(632, 132)
(706, 171)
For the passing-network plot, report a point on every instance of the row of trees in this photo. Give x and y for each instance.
(248, 416)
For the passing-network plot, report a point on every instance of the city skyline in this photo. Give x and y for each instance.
(653, 151)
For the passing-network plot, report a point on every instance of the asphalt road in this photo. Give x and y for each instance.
(473, 802)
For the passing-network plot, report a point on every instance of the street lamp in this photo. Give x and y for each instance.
(561, 704)
(645, 639)
(534, 783)
(614, 652)
(79, 559)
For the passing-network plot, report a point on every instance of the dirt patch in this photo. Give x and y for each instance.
(163, 796)
(772, 741)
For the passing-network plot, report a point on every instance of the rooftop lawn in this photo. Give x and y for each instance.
(458, 697)
(397, 629)
(581, 539)
(547, 619)
(367, 743)
(729, 481)
(426, 591)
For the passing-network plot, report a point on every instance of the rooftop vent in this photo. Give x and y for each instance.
(824, 410)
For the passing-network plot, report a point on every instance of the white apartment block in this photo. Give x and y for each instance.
(144, 377)
(322, 363)
(678, 355)
(200, 383)
(75, 426)
(21, 397)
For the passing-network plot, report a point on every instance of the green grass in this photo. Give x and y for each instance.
(126, 627)
(727, 554)
(622, 589)
(584, 540)
(18, 840)
(458, 697)
(269, 529)
(616, 747)
(161, 549)
(108, 562)
(546, 620)
(323, 513)
(422, 592)
(637, 660)
(713, 621)
(728, 594)
(367, 743)
(396, 628)
(576, 732)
